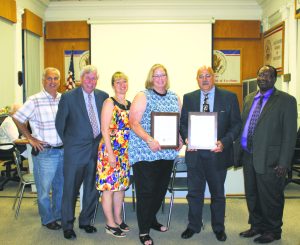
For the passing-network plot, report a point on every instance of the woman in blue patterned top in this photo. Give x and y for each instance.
(152, 165)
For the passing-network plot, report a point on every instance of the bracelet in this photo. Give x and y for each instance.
(150, 140)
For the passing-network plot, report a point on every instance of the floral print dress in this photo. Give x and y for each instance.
(108, 178)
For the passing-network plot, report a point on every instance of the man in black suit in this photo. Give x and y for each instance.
(78, 125)
(209, 165)
(266, 151)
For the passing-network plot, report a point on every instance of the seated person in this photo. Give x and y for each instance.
(9, 133)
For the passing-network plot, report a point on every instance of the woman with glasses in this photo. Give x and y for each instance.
(152, 165)
(112, 177)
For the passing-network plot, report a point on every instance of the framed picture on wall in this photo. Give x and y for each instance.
(274, 47)
(297, 9)
(227, 66)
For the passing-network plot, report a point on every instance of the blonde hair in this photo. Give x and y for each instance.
(118, 75)
(13, 108)
(149, 80)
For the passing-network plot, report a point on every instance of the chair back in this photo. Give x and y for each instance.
(179, 165)
(2, 117)
(178, 182)
(18, 162)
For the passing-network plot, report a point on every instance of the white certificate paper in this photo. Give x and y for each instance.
(165, 128)
(202, 132)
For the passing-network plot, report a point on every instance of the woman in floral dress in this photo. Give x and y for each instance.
(112, 177)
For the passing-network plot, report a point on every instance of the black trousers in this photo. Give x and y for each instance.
(264, 195)
(206, 170)
(151, 183)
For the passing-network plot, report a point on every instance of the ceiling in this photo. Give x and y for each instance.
(246, 1)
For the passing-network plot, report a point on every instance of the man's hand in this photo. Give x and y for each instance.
(219, 147)
(280, 171)
(36, 144)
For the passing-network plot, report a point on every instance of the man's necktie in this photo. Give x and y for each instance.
(92, 117)
(253, 122)
(205, 107)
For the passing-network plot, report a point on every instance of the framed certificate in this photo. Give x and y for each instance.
(202, 130)
(164, 128)
(274, 47)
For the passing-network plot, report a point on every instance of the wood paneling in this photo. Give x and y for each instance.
(54, 54)
(32, 22)
(251, 50)
(61, 36)
(67, 30)
(237, 29)
(8, 10)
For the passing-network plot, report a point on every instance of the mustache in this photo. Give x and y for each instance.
(205, 82)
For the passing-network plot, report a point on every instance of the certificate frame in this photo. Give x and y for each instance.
(165, 129)
(297, 9)
(203, 136)
(274, 47)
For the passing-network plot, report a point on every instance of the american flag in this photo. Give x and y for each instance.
(70, 83)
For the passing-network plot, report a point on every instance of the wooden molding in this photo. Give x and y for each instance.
(32, 22)
(237, 29)
(67, 30)
(8, 10)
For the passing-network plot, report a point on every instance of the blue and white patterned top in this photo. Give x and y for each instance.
(138, 149)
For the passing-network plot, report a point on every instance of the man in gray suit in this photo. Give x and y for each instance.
(209, 165)
(78, 125)
(267, 144)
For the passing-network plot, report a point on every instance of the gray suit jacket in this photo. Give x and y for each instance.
(74, 128)
(275, 134)
(229, 123)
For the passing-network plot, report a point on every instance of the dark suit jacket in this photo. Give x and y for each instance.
(74, 128)
(229, 123)
(275, 134)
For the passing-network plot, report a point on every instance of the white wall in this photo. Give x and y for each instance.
(153, 9)
(274, 12)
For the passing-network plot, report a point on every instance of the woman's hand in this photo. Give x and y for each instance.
(154, 145)
(112, 160)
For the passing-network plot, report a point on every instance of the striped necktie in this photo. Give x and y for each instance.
(92, 117)
(253, 122)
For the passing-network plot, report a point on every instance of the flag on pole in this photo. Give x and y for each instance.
(70, 83)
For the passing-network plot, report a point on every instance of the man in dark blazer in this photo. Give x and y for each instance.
(266, 152)
(209, 165)
(80, 136)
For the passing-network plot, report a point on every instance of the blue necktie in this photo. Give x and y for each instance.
(253, 122)
(205, 107)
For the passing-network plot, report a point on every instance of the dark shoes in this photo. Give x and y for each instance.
(88, 228)
(188, 233)
(221, 236)
(53, 226)
(69, 234)
(159, 227)
(267, 237)
(123, 227)
(146, 238)
(250, 233)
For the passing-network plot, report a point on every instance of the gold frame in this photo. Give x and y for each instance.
(297, 9)
(271, 40)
